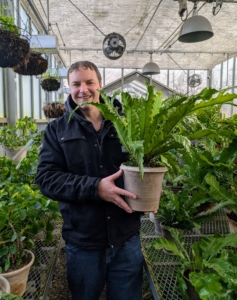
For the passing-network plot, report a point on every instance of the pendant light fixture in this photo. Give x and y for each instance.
(195, 29)
(151, 68)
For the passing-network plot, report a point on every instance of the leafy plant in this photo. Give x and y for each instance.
(147, 128)
(179, 210)
(7, 23)
(18, 134)
(50, 74)
(212, 267)
(6, 296)
(24, 212)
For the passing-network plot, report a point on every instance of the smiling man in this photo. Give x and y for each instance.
(79, 167)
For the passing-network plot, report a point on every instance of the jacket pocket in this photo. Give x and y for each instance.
(69, 136)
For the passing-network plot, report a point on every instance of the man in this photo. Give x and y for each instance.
(79, 167)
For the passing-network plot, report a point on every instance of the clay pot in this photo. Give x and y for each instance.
(10, 153)
(18, 278)
(4, 285)
(148, 191)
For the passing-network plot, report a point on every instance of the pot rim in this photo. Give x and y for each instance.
(15, 272)
(146, 169)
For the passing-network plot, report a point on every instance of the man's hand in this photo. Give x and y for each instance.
(108, 191)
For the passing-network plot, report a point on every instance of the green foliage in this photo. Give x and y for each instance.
(6, 296)
(7, 23)
(24, 171)
(148, 127)
(179, 210)
(24, 212)
(49, 74)
(18, 134)
(212, 266)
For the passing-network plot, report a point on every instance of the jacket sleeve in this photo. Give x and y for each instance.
(53, 179)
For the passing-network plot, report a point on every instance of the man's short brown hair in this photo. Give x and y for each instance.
(84, 64)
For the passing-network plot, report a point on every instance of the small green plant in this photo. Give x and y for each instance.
(179, 210)
(211, 266)
(18, 134)
(24, 212)
(6, 296)
(50, 74)
(7, 23)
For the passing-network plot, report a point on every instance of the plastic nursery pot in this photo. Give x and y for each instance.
(148, 191)
(190, 288)
(158, 228)
(232, 220)
(13, 50)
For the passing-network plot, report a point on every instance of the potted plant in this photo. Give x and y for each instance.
(36, 65)
(50, 82)
(54, 110)
(13, 49)
(147, 132)
(14, 137)
(209, 271)
(24, 212)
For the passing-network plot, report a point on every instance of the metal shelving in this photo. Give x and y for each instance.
(45, 260)
(161, 267)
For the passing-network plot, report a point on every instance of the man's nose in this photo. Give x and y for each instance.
(83, 87)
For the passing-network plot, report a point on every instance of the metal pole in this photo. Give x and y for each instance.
(47, 15)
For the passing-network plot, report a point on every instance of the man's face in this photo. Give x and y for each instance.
(83, 85)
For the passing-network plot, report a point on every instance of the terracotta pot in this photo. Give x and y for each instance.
(231, 217)
(4, 285)
(18, 278)
(190, 288)
(148, 191)
(10, 153)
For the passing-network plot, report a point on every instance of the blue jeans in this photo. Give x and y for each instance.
(88, 270)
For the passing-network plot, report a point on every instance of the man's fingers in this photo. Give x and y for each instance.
(123, 205)
(125, 193)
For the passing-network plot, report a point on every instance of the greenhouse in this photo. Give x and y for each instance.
(133, 194)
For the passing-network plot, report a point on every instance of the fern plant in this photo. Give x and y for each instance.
(211, 266)
(147, 128)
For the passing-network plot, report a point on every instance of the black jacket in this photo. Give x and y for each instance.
(72, 161)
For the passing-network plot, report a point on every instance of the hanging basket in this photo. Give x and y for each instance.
(54, 110)
(37, 65)
(50, 84)
(13, 50)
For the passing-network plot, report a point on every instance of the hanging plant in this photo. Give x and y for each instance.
(50, 82)
(13, 49)
(36, 65)
(54, 110)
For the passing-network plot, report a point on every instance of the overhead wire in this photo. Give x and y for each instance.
(141, 19)
(148, 24)
(86, 17)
